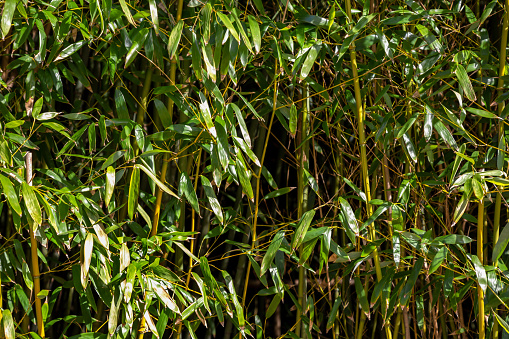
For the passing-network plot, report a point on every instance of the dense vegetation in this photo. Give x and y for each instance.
(253, 168)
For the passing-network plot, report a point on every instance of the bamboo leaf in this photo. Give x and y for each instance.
(293, 119)
(363, 298)
(7, 15)
(152, 176)
(273, 306)
(229, 25)
(242, 124)
(154, 15)
(407, 290)
(482, 113)
(309, 61)
(186, 187)
(349, 216)
(244, 176)
(134, 191)
(127, 12)
(445, 134)
(10, 194)
(8, 324)
(279, 192)
(110, 185)
(255, 33)
(438, 260)
(460, 208)
(501, 244)
(245, 148)
(33, 207)
(274, 246)
(125, 257)
(87, 258)
(302, 228)
(480, 272)
(70, 50)
(174, 39)
(211, 196)
(428, 123)
(240, 311)
(464, 82)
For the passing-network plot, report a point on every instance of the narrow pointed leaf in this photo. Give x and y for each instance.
(33, 207)
(302, 228)
(134, 191)
(10, 194)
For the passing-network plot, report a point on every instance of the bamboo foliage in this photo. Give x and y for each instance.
(256, 169)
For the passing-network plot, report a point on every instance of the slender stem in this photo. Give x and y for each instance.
(258, 178)
(480, 255)
(36, 275)
(361, 116)
(302, 194)
(159, 193)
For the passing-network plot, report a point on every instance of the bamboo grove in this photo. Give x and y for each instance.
(258, 169)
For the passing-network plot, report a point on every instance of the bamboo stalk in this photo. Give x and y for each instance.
(36, 275)
(480, 255)
(302, 196)
(159, 193)
(361, 116)
(258, 179)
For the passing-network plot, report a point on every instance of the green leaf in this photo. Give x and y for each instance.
(302, 228)
(407, 290)
(244, 176)
(240, 310)
(229, 25)
(27, 276)
(14, 124)
(273, 306)
(480, 272)
(211, 196)
(127, 12)
(385, 43)
(460, 208)
(8, 323)
(464, 82)
(87, 258)
(333, 313)
(309, 61)
(70, 50)
(361, 294)
(428, 123)
(138, 41)
(438, 259)
(274, 246)
(349, 216)
(501, 321)
(110, 185)
(186, 187)
(134, 191)
(445, 134)
(152, 176)
(242, 123)
(255, 33)
(33, 207)
(501, 244)
(293, 119)
(174, 39)
(10, 194)
(7, 14)
(279, 192)
(73, 141)
(240, 143)
(482, 113)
